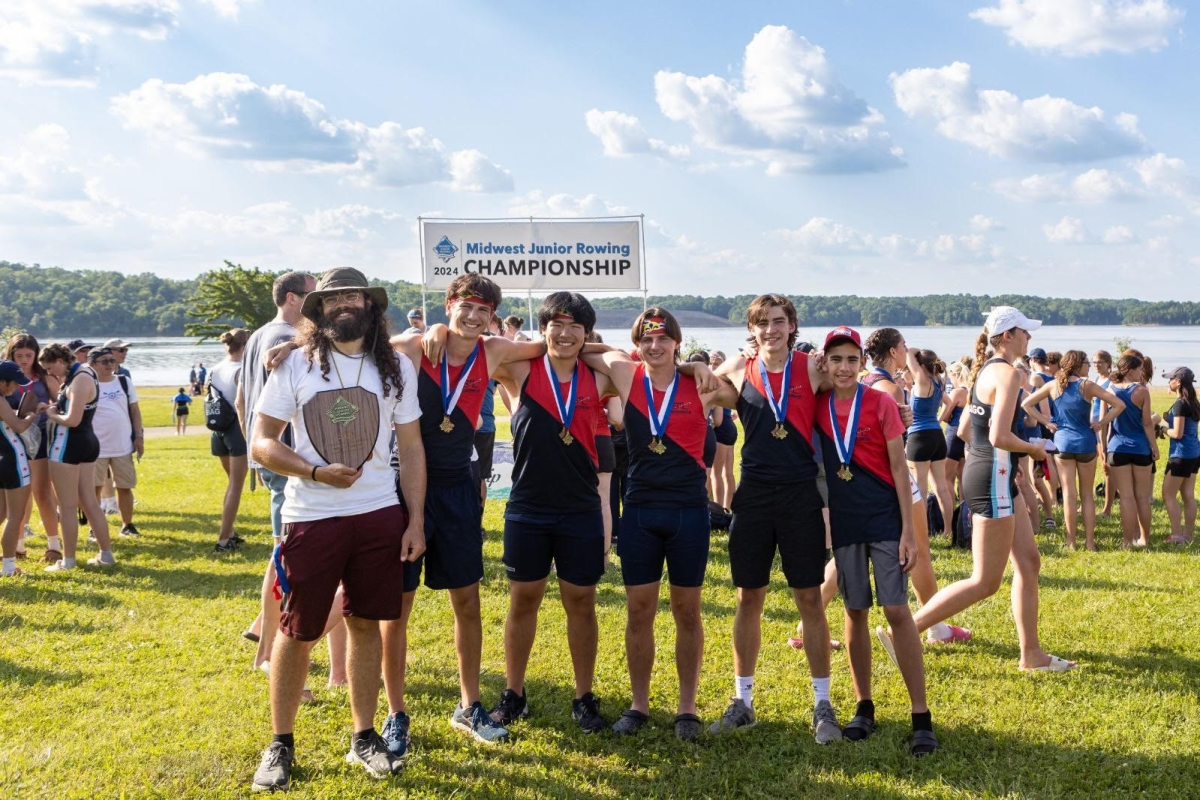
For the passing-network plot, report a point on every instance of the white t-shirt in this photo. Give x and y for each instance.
(224, 376)
(290, 386)
(111, 422)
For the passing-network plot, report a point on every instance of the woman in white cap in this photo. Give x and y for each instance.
(1001, 529)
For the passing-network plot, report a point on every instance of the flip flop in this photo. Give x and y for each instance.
(889, 646)
(798, 643)
(957, 634)
(923, 743)
(1056, 665)
(251, 635)
(1176, 538)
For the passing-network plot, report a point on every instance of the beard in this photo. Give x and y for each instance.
(345, 329)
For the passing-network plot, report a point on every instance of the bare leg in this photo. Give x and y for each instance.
(91, 506)
(991, 543)
(268, 616)
(923, 581)
(730, 482)
(747, 630)
(125, 505)
(1066, 470)
(468, 640)
(1027, 565)
(689, 643)
(583, 632)
(1189, 508)
(816, 630)
(335, 637)
(858, 647)
(235, 466)
(43, 496)
(395, 648)
(604, 487)
(66, 487)
(639, 641)
(1087, 500)
(941, 488)
(1143, 489)
(1170, 497)
(1122, 479)
(520, 628)
(908, 653)
(1025, 487)
(289, 668)
(363, 663)
(12, 505)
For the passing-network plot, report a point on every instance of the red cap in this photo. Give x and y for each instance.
(842, 334)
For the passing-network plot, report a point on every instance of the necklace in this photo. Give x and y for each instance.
(343, 411)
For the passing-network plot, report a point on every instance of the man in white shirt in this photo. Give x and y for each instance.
(118, 426)
(343, 523)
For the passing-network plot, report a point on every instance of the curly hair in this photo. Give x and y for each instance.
(1071, 361)
(56, 352)
(317, 344)
(880, 343)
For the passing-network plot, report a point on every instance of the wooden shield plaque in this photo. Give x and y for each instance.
(343, 425)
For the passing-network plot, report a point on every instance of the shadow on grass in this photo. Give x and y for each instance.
(12, 621)
(1064, 582)
(38, 592)
(33, 676)
(190, 583)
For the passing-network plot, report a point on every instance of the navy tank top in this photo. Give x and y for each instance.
(764, 456)
(677, 477)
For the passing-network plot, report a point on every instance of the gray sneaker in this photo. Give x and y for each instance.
(373, 755)
(825, 724)
(477, 722)
(737, 715)
(275, 769)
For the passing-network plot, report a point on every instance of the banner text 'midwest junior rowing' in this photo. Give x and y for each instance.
(521, 255)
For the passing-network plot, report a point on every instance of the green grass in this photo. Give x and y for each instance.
(138, 682)
(156, 405)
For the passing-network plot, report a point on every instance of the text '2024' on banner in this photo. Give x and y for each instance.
(523, 255)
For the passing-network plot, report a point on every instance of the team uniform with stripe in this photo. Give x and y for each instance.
(989, 476)
(777, 506)
(665, 515)
(77, 445)
(14, 460)
(553, 512)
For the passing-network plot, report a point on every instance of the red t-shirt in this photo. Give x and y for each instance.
(870, 448)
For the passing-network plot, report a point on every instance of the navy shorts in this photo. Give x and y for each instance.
(650, 536)
(956, 448)
(453, 556)
(573, 542)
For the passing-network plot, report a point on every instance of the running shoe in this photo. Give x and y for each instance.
(227, 547)
(130, 530)
(512, 706)
(29, 534)
(737, 715)
(1049, 524)
(275, 769)
(586, 711)
(395, 734)
(60, 566)
(475, 721)
(825, 724)
(97, 561)
(372, 753)
(17, 572)
(237, 540)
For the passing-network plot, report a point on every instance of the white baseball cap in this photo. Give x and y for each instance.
(1005, 318)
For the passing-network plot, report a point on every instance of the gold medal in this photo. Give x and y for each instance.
(844, 473)
(779, 432)
(566, 436)
(657, 447)
(446, 425)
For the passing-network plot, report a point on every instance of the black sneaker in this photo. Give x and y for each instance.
(586, 711)
(130, 530)
(275, 769)
(227, 547)
(372, 753)
(237, 540)
(512, 706)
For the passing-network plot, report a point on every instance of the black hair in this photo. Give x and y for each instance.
(1187, 393)
(571, 303)
(880, 343)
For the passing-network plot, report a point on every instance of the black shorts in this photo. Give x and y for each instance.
(1183, 467)
(651, 536)
(1082, 458)
(77, 445)
(727, 432)
(485, 445)
(777, 516)
(956, 448)
(229, 443)
(14, 462)
(1127, 459)
(573, 542)
(925, 446)
(990, 485)
(606, 454)
(453, 556)
(183, 412)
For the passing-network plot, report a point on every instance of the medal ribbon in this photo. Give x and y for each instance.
(566, 406)
(659, 417)
(779, 409)
(845, 441)
(449, 401)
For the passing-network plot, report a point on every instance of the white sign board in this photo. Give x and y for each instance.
(499, 483)
(524, 255)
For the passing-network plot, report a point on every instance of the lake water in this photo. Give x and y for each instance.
(164, 361)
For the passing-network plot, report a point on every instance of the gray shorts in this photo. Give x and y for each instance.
(822, 485)
(854, 574)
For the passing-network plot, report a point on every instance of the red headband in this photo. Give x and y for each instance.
(564, 316)
(475, 299)
(654, 326)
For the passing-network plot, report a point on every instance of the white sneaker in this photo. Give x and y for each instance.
(59, 566)
(28, 532)
(111, 507)
(96, 561)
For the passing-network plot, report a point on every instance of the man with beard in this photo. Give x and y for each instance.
(343, 522)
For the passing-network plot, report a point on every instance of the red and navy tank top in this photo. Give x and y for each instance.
(864, 508)
(448, 454)
(549, 475)
(676, 478)
(765, 457)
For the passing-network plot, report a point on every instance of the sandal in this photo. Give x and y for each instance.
(889, 646)
(923, 743)
(1177, 538)
(957, 634)
(52, 557)
(687, 727)
(251, 635)
(864, 724)
(1056, 665)
(798, 643)
(630, 722)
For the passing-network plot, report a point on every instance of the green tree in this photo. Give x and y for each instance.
(229, 298)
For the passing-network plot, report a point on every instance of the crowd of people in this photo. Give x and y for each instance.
(376, 448)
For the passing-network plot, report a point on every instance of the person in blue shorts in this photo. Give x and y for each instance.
(1183, 458)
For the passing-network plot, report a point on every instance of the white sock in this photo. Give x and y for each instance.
(10, 566)
(939, 631)
(106, 556)
(52, 543)
(743, 689)
(68, 563)
(820, 689)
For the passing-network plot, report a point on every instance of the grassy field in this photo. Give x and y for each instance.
(155, 403)
(137, 682)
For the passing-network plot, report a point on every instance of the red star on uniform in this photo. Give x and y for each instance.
(1003, 472)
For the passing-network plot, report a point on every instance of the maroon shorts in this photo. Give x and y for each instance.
(362, 552)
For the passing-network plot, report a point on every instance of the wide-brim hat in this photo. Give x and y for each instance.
(342, 279)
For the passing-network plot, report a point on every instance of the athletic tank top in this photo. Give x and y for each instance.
(89, 410)
(550, 476)
(1097, 412)
(675, 478)
(925, 410)
(955, 418)
(1127, 434)
(448, 454)
(764, 456)
(1073, 416)
(1189, 446)
(980, 445)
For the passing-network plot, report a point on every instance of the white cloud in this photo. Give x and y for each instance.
(1119, 234)
(1068, 230)
(623, 136)
(228, 116)
(826, 239)
(1167, 221)
(1084, 27)
(1000, 123)
(537, 204)
(979, 222)
(788, 111)
(1092, 187)
(227, 8)
(1165, 175)
(39, 184)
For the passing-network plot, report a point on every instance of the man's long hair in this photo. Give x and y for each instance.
(317, 342)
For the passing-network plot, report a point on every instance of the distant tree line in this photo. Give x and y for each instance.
(51, 301)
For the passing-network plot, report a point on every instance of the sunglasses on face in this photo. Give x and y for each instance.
(106, 361)
(120, 349)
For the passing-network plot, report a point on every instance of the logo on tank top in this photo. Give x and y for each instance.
(978, 411)
(682, 407)
(472, 385)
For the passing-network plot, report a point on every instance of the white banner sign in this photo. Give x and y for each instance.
(535, 255)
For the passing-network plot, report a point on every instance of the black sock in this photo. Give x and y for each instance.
(362, 736)
(922, 721)
(865, 708)
(285, 739)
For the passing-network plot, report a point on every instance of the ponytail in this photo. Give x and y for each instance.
(1071, 361)
(1187, 392)
(1130, 366)
(980, 356)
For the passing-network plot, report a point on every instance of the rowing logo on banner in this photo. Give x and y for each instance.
(343, 425)
(445, 249)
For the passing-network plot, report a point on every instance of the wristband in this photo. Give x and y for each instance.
(314, 475)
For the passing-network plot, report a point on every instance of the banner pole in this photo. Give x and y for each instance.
(530, 318)
(421, 241)
(645, 285)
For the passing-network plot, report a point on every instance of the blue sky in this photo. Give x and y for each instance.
(1039, 146)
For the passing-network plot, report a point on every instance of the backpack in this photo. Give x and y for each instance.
(960, 534)
(124, 381)
(718, 518)
(933, 513)
(219, 415)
